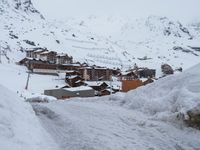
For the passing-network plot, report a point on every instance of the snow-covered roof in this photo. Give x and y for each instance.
(94, 83)
(62, 54)
(143, 79)
(80, 88)
(78, 81)
(46, 52)
(70, 71)
(126, 72)
(28, 58)
(72, 77)
(76, 65)
(108, 89)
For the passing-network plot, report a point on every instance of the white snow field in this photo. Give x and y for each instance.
(20, 129)
(148, 118)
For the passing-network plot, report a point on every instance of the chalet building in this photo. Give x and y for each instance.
(30, 52)
(64, 59)
(25, 61)
(128, 85)
(146, 73)
(39, 64)
(98, 86)
(36, 53)
(72, 73)
(49, 56)
(69, 66)
(96, 73)
(64, 93)
(74, 81)
(129, 75)
(116, 72)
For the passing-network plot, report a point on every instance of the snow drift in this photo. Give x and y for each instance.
(41, 99)
(176, 96)
(19, 127)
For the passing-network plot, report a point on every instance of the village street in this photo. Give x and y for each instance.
(104, 125)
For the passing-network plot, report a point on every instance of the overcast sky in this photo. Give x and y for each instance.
(184, 10)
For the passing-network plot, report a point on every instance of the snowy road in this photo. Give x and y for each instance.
(87, 125)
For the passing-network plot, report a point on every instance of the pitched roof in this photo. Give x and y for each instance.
(80, 88)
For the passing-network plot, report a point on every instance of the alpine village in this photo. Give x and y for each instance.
(82, 80)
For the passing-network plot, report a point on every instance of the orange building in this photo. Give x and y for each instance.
(128, 85)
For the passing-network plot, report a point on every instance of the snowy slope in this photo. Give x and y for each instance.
(83, 125)
(151, 117)
(106, 41)
(169, 98)
(20, 129)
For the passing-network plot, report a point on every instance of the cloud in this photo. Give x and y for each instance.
(179, 9)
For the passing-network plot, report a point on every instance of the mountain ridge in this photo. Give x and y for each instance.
(110, 41)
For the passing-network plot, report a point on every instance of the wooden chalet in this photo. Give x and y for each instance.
(96, 73)
(36, 53)
(74, 66)
(97, 86)
(129, 75)
(64, 59)
(72, 73)
(49, 56)
(30, 52)
(74, 80)
(32, 63)
(116, 72)
(39, 64)
(25, 61)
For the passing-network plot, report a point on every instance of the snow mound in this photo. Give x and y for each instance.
(20, 129)
(41, 99)
(169, 98)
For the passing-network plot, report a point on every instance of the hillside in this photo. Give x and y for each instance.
(106, 41)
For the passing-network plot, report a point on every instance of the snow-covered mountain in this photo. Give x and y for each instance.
(151, 117)
(106, 41)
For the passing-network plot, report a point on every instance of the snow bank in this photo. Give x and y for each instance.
(41, 99)
(20, 129)
(168, 98)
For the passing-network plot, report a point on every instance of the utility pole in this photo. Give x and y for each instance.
(110, 86)
(27, 82)
(0, 55)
